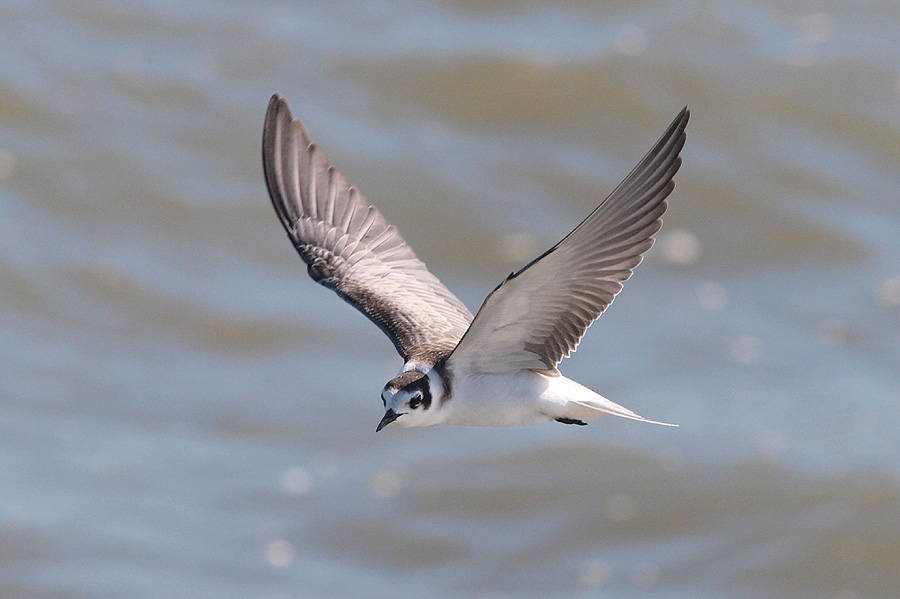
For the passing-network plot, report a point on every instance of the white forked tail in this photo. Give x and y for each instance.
(578, 402)
(605, 406)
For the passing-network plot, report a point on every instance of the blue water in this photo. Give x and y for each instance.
(183, 413)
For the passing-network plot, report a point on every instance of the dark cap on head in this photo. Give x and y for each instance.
(405, 379)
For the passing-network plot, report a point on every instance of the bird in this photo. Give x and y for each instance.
(500, 366)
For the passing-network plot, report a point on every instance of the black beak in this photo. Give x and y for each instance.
(389, 417)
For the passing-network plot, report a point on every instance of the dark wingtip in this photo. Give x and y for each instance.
(277, 103)
(683, 117)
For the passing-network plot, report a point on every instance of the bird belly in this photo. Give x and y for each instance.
(515, 399)
(522, 398)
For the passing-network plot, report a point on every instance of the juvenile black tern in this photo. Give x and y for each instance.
(498, 368)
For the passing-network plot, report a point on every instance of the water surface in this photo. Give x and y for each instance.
(184, 414)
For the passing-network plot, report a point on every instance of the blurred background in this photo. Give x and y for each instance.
(183, 413)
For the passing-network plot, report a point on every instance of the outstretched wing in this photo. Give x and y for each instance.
(537, 316)
(348, 245)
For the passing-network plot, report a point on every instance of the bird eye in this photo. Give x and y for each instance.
(415, 402)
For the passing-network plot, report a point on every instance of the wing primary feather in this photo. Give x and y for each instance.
(312, 193)
(295, 164)
(328, 216)
(349, 207)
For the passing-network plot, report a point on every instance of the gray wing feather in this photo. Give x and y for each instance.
(350, 247)
(537, 316)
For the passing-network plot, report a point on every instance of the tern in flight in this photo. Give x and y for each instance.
(498, 368)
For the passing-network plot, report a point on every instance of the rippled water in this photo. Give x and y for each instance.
(184, 414)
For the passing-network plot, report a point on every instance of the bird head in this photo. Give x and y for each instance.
(410, 399)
